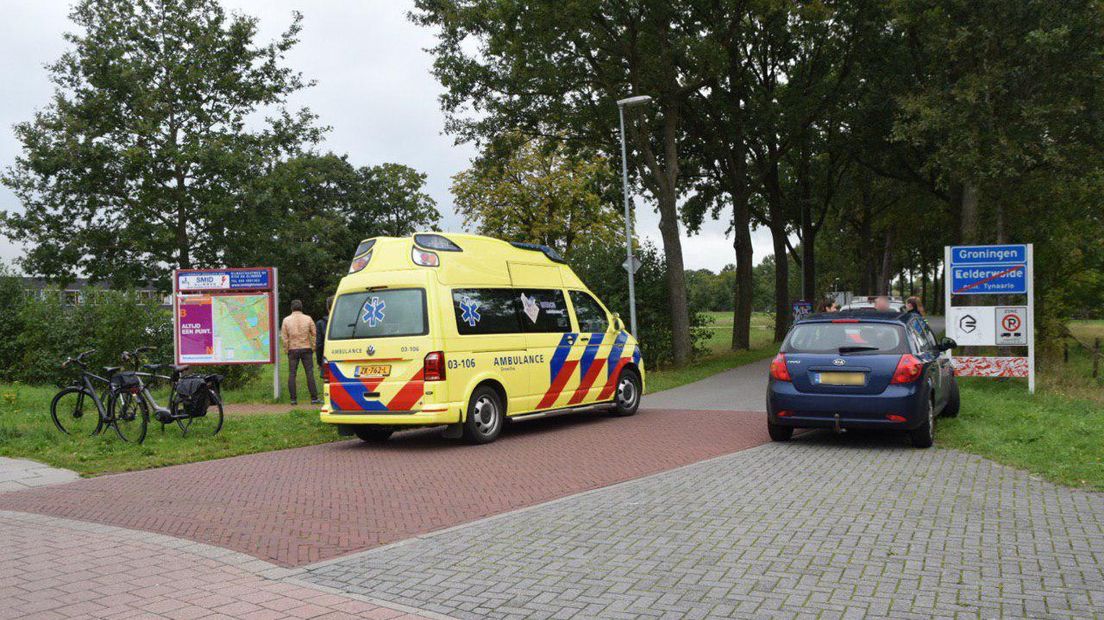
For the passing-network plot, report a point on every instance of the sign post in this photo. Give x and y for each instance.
(992, 270)
(225, 316)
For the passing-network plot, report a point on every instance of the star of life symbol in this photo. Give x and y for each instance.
(469, 311)
(373, 312)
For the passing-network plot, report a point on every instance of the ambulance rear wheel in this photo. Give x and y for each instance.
(485, 415)
(373, 434)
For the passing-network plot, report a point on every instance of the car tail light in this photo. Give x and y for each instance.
(778, 370)
(433, 369)
(784, 413)
(893, 417)
(329, 372)
(424, 258)
(845, 320)
(360, 262)
(908, 370)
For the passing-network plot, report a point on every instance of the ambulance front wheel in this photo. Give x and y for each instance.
(485, 416)
(626, 400)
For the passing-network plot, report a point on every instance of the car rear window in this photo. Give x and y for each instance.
(846, 338)
(379, 314)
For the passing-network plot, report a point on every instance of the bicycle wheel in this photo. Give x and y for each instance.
(75, 412)
(206, 425)
(129, 415)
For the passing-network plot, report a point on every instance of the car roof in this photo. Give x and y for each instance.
(862, 315)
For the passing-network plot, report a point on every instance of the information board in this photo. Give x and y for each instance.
(224, 316)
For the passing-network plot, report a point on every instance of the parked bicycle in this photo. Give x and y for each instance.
(195, 401)
(79, 409)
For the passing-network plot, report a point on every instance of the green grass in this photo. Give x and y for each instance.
(1050, 434)
(719, 357)
(27, 432)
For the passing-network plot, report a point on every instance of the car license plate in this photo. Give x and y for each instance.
(373, 370)
(843, 378)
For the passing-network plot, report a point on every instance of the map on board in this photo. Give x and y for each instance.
(215, 329)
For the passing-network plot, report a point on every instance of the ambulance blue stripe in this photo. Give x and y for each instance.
(590, 353)
(615, 352)
(561, 354)
(636, 356)
(357, 391)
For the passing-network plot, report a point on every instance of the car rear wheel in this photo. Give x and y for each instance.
(923, 436)
(485, 415)
(626, 399)
(953, 401)
(778, 432)
(374, 434)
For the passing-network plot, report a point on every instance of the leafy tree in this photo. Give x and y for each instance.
(556, 69)
(1002, 88)
(142, 160)
(539, 192)
(320, 208)
(599, 266)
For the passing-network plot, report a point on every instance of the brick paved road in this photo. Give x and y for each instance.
(56, 568)
(299, 506)
(822, 527)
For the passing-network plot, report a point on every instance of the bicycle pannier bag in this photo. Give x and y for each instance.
(192, 394)
(125, 382)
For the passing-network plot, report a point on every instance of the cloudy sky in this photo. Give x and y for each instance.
(374, 89)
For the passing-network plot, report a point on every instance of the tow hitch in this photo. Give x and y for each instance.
(837, 426)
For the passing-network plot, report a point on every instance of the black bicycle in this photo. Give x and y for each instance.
(70, 409)
(195, 401)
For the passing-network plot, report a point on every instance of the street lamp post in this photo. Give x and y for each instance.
(621, 105)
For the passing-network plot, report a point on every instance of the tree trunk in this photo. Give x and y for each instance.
(741, 242)
(781, 283)
(968, 216)
(676, 278)
(183, 253)
(887, 265)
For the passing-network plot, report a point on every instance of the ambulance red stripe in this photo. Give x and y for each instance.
(596, 367)
(611, 383)
(409, 394)
(558, 384)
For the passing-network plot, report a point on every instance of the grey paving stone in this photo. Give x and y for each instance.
(821, 527)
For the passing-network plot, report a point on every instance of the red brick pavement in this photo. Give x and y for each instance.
(299, 506)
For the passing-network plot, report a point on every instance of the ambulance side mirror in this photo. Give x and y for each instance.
(618, 324)
(947, 344)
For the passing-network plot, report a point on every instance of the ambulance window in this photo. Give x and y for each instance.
(485, 311)
(379, 314)
(589, 314)
(543, 311)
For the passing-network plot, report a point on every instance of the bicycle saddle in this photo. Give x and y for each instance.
(180, 367)
(110, 370)
(152, 367)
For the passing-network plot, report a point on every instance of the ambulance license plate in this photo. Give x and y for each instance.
(373, 370)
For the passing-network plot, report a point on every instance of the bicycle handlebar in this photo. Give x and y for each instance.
(79, 359)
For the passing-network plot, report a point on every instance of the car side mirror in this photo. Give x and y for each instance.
(947, 344)
(618, 324)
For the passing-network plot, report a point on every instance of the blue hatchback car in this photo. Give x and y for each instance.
(861, 369)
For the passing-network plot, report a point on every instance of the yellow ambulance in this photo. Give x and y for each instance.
(467, 331)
